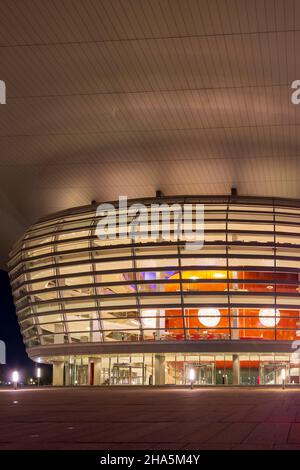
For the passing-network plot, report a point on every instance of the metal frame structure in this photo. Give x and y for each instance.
(73, 291)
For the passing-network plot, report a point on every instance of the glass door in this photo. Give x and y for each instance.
(274, 373)
(203, 374)
(121, 375)
(131, 374)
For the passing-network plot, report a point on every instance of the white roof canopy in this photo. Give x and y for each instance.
(111, 97)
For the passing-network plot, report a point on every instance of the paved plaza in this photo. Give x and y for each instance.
(144, 418)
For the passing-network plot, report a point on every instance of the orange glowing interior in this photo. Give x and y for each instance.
(249, 324)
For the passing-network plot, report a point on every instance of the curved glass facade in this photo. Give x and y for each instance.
(70, 287)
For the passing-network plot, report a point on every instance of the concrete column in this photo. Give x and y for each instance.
(236, 369)
(68, 377)
(58, 374)
(160, 375)
(213, 374)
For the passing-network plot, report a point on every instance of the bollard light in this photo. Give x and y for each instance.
(192, 377)
(283, 375)
(15, 378)
(38, 374)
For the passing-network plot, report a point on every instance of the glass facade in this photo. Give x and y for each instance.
(71, 288)
(209, 369)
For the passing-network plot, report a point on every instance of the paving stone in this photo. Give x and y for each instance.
(150, 418)
(269, 433)
(294, 435)
(234, 433)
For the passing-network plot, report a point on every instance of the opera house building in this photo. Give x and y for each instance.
(116, 312)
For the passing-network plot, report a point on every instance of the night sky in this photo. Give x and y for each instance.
(16, 357)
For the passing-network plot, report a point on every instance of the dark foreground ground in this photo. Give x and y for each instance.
(128, 418)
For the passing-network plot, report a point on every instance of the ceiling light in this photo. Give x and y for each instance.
(219, 275)
(269, 317)
(209, 317)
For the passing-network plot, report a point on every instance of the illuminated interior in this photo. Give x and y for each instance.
(71, 288)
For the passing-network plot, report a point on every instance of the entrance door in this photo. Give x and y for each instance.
(127, 374)
(203, 374)
(82, 375)
(273, 373)
(121, 375)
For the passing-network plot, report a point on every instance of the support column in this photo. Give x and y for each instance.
(160, 375)
(236, 369)
(68, 374)
(58, 374)
(213, 374)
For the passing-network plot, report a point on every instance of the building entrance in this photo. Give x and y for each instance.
(127, 374)
(203, 373)
(274, 373)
